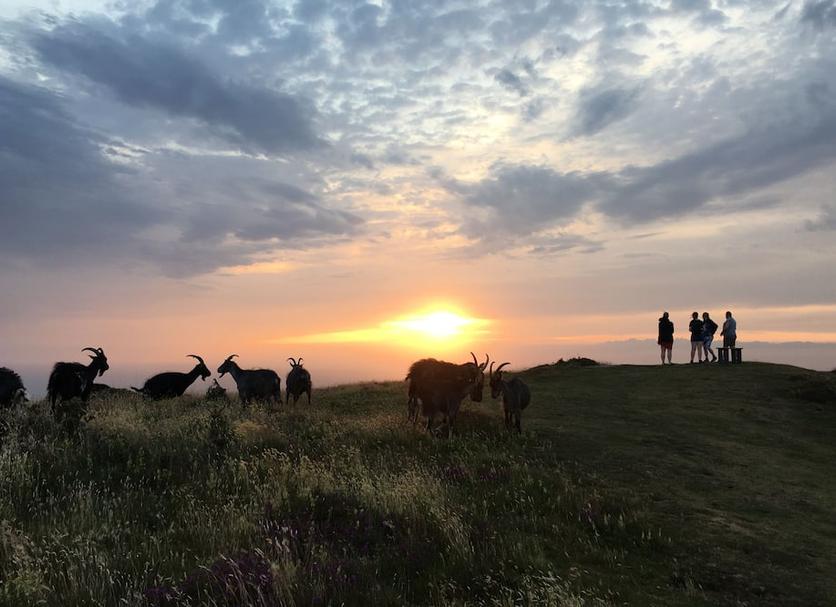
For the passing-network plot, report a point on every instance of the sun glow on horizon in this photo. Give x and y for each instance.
(434, 326)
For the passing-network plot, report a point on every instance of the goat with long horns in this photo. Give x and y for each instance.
(440, 387)
(515, 396)
(173, 383)
(72, 380)
(253, 384)
(298, 381)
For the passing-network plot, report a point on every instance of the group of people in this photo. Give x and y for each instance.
(702, 335)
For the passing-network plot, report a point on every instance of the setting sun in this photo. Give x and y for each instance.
(439, 326)
(436, 325)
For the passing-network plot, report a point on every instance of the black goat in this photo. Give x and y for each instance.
(515, 396)
(253, 384)
(421, 376)
(440, 387)
(298, 381)
(12, 391)
(71, 380)
(173, 383)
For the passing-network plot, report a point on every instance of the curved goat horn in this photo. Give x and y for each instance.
(485, 364)
(499, 368)
(475, 362)
(299, 362)
(490, 371)
(231, 356)
(197, 357)
(93, 350)
(292, 362)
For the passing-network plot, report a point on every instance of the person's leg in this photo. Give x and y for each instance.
(693, 350)
(706, 346)
(663, 354)
(670, 351)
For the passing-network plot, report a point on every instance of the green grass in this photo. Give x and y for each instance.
(684, 485)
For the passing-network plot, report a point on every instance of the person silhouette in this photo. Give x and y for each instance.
(729, 332)
(695, 327)
(665, 339)
(709, 328)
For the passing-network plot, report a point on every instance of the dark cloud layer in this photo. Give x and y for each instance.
(277, 109)
(819, 13)
(143, 73)
(601, 107)
(65, 201)
(525, 199)
(511, 81)
(60, 197)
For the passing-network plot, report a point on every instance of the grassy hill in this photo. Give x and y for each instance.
(684, 485)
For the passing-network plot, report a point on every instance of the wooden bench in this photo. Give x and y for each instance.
(730, 355)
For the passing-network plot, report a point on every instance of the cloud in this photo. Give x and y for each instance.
(819, 13)
(533, 110)
(61, 198)
(144, 73)
(705, 13)
(65, 201)
(517, 200)
(511, 81)
(749, 162)
(601, 107)
(825, 222)
(556, 244)
(522, 200)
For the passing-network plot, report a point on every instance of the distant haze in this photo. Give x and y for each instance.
(381, 365)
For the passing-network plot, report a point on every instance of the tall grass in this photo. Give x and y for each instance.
(182, 502)
(186, 502)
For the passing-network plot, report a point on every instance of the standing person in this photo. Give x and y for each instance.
(709, 328)
(695, 327)
(729, 332)
(665, 336)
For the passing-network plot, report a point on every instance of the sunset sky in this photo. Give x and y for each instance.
(361, 183)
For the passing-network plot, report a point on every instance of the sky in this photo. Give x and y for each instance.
(314, 178)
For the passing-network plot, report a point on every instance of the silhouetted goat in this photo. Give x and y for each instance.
(71, 380)
(423, 372)
(173, 383)
(515, 396)
(253, 384)
(298, 381)
(440, 387)
(12, 391)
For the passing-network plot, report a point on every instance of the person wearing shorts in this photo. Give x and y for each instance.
(729, 332)
(665, 339)
(695, 327)
(709, 328)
